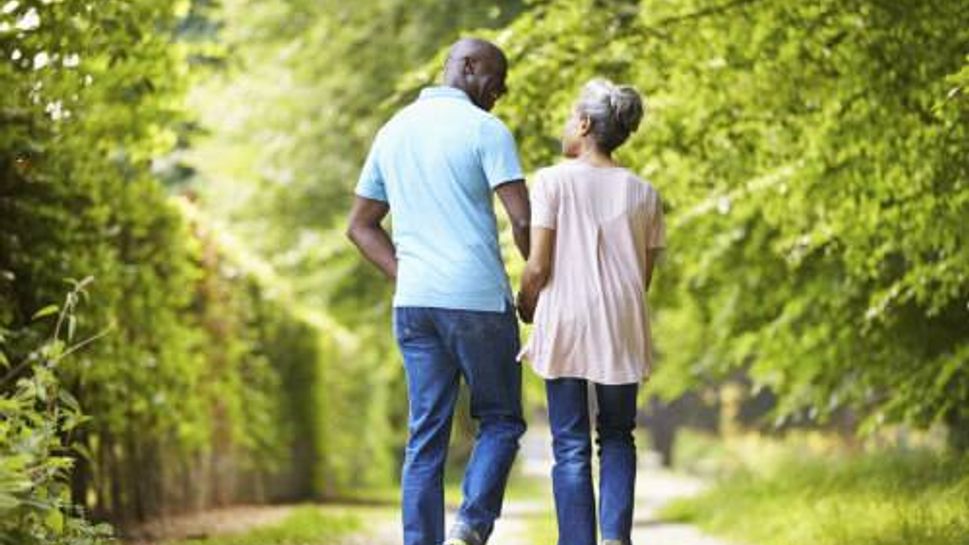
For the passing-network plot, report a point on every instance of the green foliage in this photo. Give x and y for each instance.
(290, 113)
(307, 525)
(876, 499)
(299, 101)
(813, 160)
(92, 97)
(38, 420)
(214, 385)
(184, 393)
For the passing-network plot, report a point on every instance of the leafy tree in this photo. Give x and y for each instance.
(813, 159)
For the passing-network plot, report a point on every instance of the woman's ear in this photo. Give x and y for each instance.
(585, 125)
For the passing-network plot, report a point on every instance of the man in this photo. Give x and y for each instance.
(434, 167)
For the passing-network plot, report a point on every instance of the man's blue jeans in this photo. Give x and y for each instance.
(441, 346)
(568, 414)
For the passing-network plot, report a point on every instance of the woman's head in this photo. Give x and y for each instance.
(605, 115)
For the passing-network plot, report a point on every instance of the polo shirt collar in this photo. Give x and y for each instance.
(443, 91)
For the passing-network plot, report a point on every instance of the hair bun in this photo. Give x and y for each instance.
(615, 111)
(626, 106)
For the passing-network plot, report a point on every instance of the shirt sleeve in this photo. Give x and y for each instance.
(498, 153)
(656, 237)
(544, 201)
(370, 185)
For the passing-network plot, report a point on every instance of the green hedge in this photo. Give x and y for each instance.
(209, 385)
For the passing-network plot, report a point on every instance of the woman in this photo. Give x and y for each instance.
(596, 232)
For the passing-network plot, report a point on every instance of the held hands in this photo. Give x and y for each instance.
(525, 307)
(536, 274)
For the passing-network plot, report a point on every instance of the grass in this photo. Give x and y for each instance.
(306, 525)
(880, 498)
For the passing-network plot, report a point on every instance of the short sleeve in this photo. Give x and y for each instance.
(545, 203)
(656, 237)
(371, 182)
(499, 157)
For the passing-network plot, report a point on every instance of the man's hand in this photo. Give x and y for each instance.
(526, 309)
(364, 229)
(537, 271)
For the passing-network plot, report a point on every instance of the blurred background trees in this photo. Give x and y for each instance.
(813, 162)
(196, 158)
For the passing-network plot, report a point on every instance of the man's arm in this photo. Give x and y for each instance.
(364, 229)
(537, 271)
(514, 197)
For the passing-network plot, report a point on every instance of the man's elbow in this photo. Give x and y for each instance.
(352, 232)
(521, 225)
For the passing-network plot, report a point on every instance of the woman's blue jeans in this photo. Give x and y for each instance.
(568, 411)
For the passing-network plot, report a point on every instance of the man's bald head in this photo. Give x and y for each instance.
(477, 48)
(477, 67)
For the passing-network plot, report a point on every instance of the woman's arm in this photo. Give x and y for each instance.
(537, 271)
(653, 255)
(655, 241)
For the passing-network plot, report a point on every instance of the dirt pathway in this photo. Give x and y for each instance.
(654, 489)
(229, 520)
(530, 520)
(528, 517)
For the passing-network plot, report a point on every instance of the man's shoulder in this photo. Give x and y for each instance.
(420, 112)
(492, 133)
(490, 121)
(484, 121)
(400, 117)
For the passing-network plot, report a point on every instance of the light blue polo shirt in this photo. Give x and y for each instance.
(436, 163)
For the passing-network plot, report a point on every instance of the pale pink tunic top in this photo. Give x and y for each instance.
(591, 321)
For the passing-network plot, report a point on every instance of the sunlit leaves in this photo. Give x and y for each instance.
(844, 276)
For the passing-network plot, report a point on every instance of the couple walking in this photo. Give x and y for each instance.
(590, 232)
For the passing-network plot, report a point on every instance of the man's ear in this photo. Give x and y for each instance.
(468, 68)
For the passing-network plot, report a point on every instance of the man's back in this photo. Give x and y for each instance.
(433, 167)
(436, 163)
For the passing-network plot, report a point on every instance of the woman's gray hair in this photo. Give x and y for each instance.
(614, 111)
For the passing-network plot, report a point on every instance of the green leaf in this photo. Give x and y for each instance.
(71, 326)
(46, 311)
(69, 400)
(55, 521)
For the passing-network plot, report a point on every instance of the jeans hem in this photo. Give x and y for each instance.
(465, 532)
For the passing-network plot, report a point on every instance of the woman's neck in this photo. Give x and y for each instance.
(591, 155)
